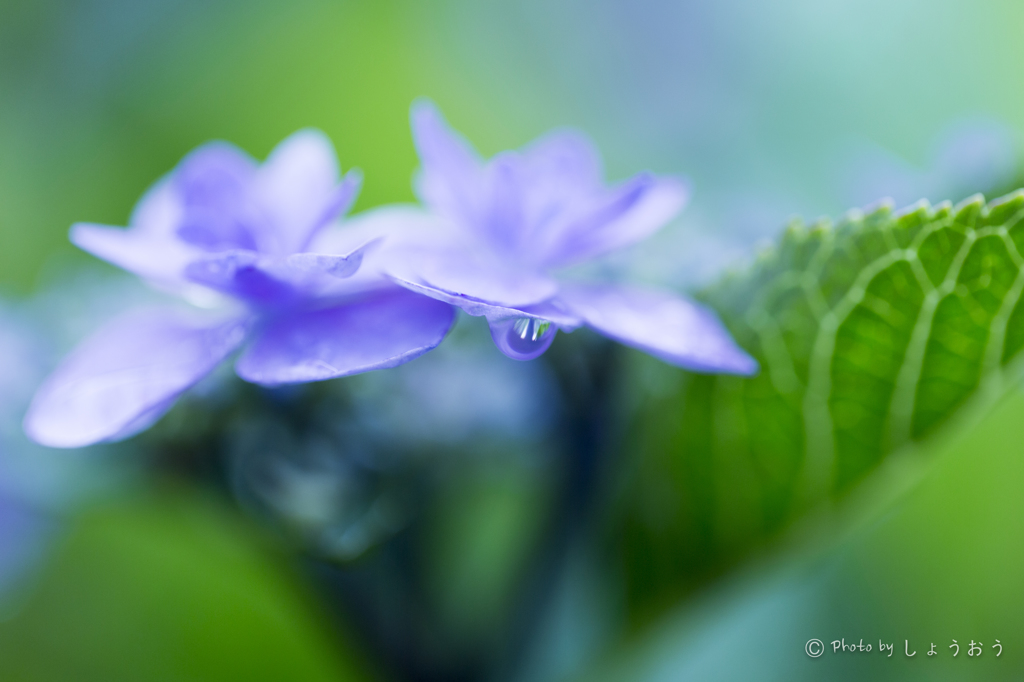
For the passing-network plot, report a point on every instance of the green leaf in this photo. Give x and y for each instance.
(871, 334)
(938, 560)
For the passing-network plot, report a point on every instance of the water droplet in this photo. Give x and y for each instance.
(523, 338)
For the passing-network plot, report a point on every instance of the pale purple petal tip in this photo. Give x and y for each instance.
(126, 376)
(213, 173)
(385, 329)
(669, 327)
(435, 140)
(159, 211)
(341, 198)
(630, 213)
(334, 265)
(448, 179)
(151, 256)
(299, 192)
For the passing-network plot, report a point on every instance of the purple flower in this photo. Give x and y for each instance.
(222, 229)
(496, 232)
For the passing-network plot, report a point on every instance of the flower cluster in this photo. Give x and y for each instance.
(301, 295)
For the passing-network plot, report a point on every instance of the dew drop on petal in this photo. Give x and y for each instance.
(523, 338)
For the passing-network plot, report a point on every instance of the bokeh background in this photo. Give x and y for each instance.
(771, 109)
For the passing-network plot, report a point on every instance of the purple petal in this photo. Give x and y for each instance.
(502, 219)
(424, 249)
(669, 327)
(158, 213)
(213, 171)
(564, 158)
(338, 203)
(243, 274)
(450, 176)
(297, 188)
(548, 311)
(213, 184)
(275, 282)
(126, 375)
(151, 256)
(476, 275)
(628, 214)
(335, 266)
(563, 175)
(383, 329)
(394, 227)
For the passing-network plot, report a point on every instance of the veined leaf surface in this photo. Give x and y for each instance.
(870, 333)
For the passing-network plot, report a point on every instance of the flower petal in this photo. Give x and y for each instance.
(245, 275)
(423, 248)
(548, 311)
(449, 180)
(275, 282)
(126, 375)
(151, 256)
(158, 213)
(624, 216)
(501, 221)
(212, 183)
(477, 276)
(563, 173)
(298, 190)
(338, 203)
(564, 157)
(397, 226)
(669, 327)
(333, 265)
(383, 329)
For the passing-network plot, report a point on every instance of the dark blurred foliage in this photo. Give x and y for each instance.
(437, 541)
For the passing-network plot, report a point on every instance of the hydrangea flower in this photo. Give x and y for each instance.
(221, 228)
(495, 234)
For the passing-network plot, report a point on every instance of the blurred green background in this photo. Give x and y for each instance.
(796, 106)
(771, 110)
